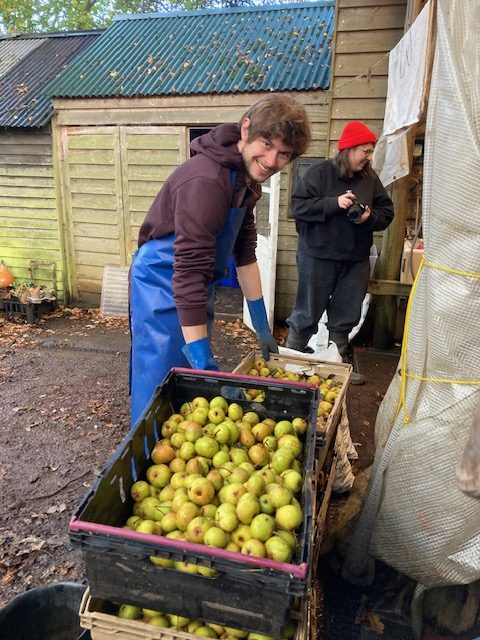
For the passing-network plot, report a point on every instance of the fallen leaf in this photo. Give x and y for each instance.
(373, 620)
(376, 625)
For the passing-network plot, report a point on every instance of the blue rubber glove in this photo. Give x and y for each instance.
(258, 315)
(199, 354)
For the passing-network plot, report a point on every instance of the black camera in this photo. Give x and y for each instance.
(354, 212)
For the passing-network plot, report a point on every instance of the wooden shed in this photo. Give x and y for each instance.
(30, 236)
(128, 108)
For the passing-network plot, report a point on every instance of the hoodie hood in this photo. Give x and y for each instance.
(220, 144)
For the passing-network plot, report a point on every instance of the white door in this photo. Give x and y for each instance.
(266, 219)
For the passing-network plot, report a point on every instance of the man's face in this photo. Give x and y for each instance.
(262, 157)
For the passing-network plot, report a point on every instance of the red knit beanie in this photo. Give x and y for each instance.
(355, 133)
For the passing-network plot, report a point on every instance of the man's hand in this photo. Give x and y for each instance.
(265, 338)
(199, 355)
(268, 345)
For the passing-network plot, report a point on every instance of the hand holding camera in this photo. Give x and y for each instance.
(356, 210)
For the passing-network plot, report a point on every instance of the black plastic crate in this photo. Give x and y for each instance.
(248, 592)
(15, 310)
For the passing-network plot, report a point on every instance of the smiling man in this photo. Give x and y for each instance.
(202, 215)
(337, 206)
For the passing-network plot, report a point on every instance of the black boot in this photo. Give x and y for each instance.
(296, 341)
(345, 349)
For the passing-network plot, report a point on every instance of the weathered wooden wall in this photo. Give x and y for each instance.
(365, 31)
(113, 156)
(29, 228)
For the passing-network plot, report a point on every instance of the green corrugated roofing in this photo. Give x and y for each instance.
(12, 50)
(36, 61)
(271, 48)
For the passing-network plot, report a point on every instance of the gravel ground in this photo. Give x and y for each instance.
(63, 383)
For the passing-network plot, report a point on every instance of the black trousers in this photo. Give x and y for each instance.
(337, 286)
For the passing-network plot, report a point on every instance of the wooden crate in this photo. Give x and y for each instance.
(339, 371)
(99, 617)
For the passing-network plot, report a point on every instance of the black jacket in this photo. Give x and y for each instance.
(323, 228)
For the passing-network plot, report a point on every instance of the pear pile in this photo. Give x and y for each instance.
(224, 478)
(329, 387)
(195, 627)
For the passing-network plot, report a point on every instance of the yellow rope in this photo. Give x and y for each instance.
(465, 274)
(445, 380)
(403, 354)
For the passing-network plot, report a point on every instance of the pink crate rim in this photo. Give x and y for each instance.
(81, 526)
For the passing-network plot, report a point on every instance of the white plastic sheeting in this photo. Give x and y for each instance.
(415, 517)
(405, 99)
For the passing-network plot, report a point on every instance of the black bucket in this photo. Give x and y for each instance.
(44, 613)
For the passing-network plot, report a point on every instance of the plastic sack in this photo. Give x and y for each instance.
(329, 353)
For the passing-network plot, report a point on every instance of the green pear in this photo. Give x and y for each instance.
(254, 547)
(205, 632)
(226, 517)
(129, 612)
(262, 526)
(140, 490)
(278, 549)
(219, 401)
(289, 517)
(282, 459)
(216, 537)
(247, 508)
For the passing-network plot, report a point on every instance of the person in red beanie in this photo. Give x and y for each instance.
(337, 205)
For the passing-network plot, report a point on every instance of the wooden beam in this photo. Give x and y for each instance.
(389, 288)
(390, 257)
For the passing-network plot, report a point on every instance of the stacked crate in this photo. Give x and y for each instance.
(254, 594)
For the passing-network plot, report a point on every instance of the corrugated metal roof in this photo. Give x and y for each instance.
(13, 50)
(23, 102)
(270, 48)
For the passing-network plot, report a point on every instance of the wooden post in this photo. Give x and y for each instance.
(390, 257)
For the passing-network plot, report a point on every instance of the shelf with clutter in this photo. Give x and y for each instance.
(24, 302)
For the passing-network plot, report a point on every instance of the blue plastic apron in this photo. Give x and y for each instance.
(156, 335)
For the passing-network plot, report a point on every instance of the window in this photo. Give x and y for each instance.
(299, 166)
(196, 132)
